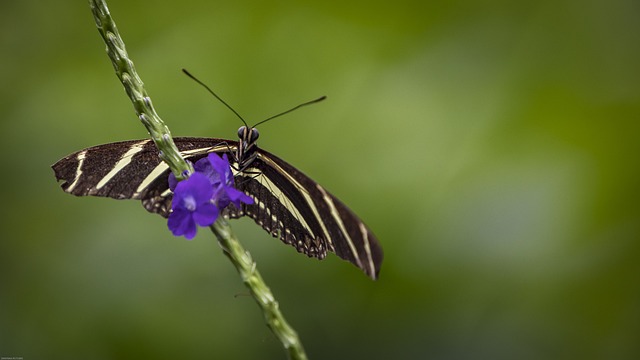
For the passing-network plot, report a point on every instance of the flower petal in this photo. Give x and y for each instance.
(181, 223)
(197, 186)
(221, 167)
(191, 231)
(204, 166)
(220, 196)
(173, 181)
(206, 214)
(236, 196)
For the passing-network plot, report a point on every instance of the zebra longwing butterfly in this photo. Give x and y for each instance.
(287, 203)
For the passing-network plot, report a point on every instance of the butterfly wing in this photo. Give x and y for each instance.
(291, 206)
(130, 170)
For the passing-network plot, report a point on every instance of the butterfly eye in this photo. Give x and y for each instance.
(241, 132)
(254, 135)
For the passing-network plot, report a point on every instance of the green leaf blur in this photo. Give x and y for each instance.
(493, 146)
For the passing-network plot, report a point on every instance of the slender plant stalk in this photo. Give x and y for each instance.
(161, 136)
(259, 290)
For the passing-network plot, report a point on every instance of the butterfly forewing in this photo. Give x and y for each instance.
(129, 170)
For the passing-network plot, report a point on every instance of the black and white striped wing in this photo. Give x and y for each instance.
(130, 170)
(291, 206)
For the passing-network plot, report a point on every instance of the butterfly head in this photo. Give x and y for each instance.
(248, 135)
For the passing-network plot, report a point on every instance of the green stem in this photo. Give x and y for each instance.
(170, 154)
(133, 85)
(245, 265)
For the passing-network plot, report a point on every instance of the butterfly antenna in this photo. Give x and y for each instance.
(218, 97)
(290, 110)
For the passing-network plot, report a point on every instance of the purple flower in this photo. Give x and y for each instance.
(192, 205)
(224, 183)
(173, 181)
(198, 199)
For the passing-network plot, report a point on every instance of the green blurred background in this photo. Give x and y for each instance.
(493, 146)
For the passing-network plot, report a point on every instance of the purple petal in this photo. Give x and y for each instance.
(191, 231)
(206, 214)
(204, 166)
(181, 223)
(221, 167)
(197, 186)
(220, 196)
(236, 196)
(173, 181)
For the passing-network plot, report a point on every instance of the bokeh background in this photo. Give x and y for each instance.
(493, 146)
